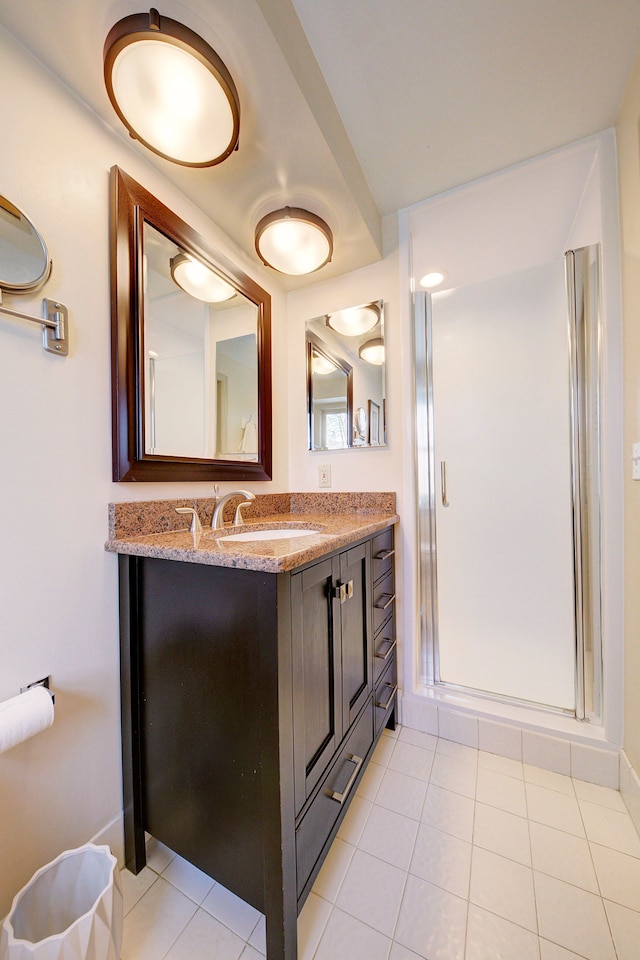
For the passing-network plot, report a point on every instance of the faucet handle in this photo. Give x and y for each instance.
(238, 518)
(196, 526)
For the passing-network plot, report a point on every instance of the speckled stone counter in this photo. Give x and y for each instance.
(154, 529)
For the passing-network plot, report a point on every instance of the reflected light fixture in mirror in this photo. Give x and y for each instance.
(321, 365)
(355, 321)
(199, 281)
(171, 90)
(431, 280)
(294, 241)
(372, 351)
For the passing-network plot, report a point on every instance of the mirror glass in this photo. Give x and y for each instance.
(192, 351)
(201, 369)
(24, 261)
(346, 404)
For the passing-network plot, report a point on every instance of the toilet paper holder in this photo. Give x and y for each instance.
(44, 682)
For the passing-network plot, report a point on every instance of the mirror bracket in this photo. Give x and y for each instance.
(54, 323)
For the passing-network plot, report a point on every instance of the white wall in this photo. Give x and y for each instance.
(58, 588)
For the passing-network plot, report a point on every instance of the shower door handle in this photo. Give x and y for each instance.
(443, 482)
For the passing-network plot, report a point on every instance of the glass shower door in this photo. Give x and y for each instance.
(507, 461)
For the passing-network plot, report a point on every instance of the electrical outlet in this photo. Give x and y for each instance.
(324, 475)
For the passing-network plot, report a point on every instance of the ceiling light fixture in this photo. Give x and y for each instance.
(372, 351)
(199, 281)
(433, 279)
(293, 241)
(354, 321)
(171, 90)
(322, 365)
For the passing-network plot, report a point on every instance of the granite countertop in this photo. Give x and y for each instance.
(340, 519)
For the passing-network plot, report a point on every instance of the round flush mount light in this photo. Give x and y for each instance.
(199, 281)
(354, 321)
(322, 365)
(431, 280)
(293, 241)
(171, 90)
(372, 351)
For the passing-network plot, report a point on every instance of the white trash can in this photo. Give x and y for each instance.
(71, 909)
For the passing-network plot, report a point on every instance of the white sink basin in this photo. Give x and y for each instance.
(278, 534)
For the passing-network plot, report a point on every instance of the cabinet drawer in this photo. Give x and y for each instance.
(384, 647)
(382, 553)
(385, 694)
(384, 596)
(333, 797)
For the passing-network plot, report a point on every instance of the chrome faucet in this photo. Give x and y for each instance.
(217, 521)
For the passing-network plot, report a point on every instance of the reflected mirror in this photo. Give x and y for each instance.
(24, 262)
(346, 404)
(192, 370)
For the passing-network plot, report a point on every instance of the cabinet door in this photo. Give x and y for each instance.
(317, 714)
(355, 622)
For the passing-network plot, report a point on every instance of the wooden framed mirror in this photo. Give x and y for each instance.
(191, 357)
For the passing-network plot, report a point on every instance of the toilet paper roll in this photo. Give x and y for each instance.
(24, 716)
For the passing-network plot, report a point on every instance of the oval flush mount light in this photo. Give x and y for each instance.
(199, 281)
(372, 351)
(294, 241)
(354, 321)
(431, 280)
(171, 90)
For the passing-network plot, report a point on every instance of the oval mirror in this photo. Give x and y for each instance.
(24, 262)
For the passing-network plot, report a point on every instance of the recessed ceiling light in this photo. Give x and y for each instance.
(293, 241)
(354, 321)
(433, 279)
(199, 281)
(171, 90)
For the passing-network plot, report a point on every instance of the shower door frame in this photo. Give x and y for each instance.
(582, 272)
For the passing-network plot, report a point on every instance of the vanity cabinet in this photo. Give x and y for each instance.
(249, 712)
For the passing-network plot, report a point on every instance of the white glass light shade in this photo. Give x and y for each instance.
(354, 321)
(294, 241)
(322, 365)
(433, 279)
(199, 281)
(372, 351)
(171, 90)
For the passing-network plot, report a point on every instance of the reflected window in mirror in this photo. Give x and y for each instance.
(191, 351)
(343, 343)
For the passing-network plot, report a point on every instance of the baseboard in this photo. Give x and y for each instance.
(113, 836)
(630, 789)
(581, 754)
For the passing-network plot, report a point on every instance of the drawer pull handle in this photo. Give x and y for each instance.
(392, 646)
(341, 797)
(383, 706)
(344, 591)
(384, 555)
(383, 606)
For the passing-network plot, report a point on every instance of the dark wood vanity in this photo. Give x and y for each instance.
(251, 704)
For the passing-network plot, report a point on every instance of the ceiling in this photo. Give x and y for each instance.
(357, 109)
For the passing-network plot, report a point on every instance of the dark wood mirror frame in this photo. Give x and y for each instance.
(131, 206)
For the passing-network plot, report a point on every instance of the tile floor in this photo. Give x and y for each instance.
(446, 853)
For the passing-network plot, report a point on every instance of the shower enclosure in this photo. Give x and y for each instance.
(508, 462)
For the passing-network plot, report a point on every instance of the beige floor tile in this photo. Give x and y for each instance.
(503, 887)
(156, 922)
(618, 875)
(503, 833)
(562, 855)
(573, 918)
(554, 809)
(498, 790)
(443, 860)
(432, 922)
(492, 938)
(205, 938)
(450, 812)
(345, 936)
(625, 926)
